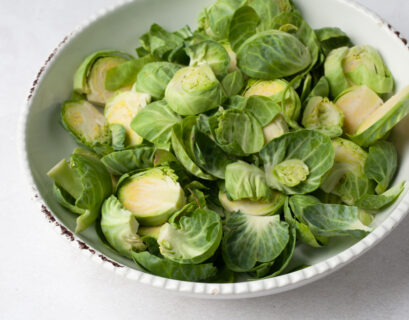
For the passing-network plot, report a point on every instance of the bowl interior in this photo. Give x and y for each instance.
(47, 142)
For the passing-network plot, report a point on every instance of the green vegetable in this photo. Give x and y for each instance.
(243, 25)
(332, 38)
(91, 75)
(272, 55)
(381, 164)
(267, 10)
(346, 178)
(118, 134)
(377, 202)
(331, 220)
(154, 123)
(154, 77)
(361, 65)
(172, 270)
(152, 195)
(85, 123)
(191, 238)
(383, 119)
(209, 53)
(324, 116)
(194, 90)
(237, 132)
(233, 83)
(314, 154)
(120, 227)
(87, 182)
(246, 181)
(122, 108)
(249, 240)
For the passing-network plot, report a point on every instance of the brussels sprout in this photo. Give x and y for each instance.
(381, 164)
(314, 152)
(272, 55)
(275, 129)
(169, 269)
(194, 90)
(383, 119)
(154, 123)
(152, 195)
(254, 208)
(331, 220)
(357, 104)
(246, 181)
(85, 123)
(237, 132)
(243, 25)
(122, 108)
(88, 184)
(347, 177)
(119, 227)
(154, 78)
(90, 76)
(281, 93)
(360, 65)
(209, 53)
(192, 237)
(249, 240)
(324, 116)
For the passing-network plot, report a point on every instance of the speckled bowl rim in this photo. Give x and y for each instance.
(205, 290)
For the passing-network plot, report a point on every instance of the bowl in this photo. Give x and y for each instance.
(43, 141)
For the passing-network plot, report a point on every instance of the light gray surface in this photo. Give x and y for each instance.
(43, 277)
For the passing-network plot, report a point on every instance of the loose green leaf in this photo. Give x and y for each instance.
(243, 25)
(377, 202)
(233, 83)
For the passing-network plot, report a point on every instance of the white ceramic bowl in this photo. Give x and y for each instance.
(43, 142)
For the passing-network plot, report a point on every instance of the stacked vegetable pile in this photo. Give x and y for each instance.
(219, 150)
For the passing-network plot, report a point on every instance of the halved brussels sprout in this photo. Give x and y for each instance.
(192, 237)
(357, 104)
(85, 123)
(346, 178)
(120, 227)
(90, 76)
(360, 65)
(275, 90)
(275, 129)
(194, 90)
(209, 53)
(82, 185)
(122, 108)
(154, 78)
(152, 196)
(383, 119)
(254, 208)
(324, 116)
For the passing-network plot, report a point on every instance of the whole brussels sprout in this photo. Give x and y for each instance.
(361, 65)
(194, 90)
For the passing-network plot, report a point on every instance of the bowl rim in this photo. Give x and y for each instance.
(205, 290)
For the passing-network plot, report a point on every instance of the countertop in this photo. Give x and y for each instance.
(43, 277)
